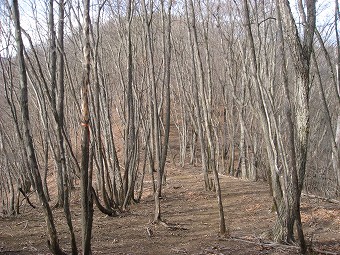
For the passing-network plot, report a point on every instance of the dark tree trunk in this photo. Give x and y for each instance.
(85, 177)
(60, 126)
(26, 125)
(53, 71)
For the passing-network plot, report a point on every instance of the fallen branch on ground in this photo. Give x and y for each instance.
(172, 226)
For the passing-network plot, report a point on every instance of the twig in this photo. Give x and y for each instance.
(26, 223)
(149, 231)
(172, 226)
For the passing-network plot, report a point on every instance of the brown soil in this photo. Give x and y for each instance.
(193, 216)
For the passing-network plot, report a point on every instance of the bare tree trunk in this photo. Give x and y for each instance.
(205, 104)
(86, 185)
(336, 158)
(53, 72)
(275, 187)
(60, 125)
(242, 153)
(7, 172)
(335, 135)
(197, 106)
(53, 238)
(130, 144)
(9, 92)
(301, 52)
(166, 16)
(46, 159)
(155, 154)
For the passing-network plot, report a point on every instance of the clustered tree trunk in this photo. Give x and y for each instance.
(27, 135)
(287, 191)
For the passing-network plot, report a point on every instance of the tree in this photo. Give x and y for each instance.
(86, 171)
(203, 101)
(336, 151)
(301, 50)
(26, 125)
(287, 192)
(60, 125)
(233, 78)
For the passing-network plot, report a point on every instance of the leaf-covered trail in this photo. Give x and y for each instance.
(194, 214)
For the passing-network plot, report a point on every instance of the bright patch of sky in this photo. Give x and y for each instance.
(325, 12)
(325, 19)
(34, 20)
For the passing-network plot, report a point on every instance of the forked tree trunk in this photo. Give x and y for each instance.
(301, 51)
(287, 192)
(288, 207)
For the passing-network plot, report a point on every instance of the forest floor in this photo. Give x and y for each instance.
(193, 212)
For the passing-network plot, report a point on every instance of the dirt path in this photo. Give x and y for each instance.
(185, 204)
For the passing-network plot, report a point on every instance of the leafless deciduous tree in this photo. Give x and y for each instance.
(247, 90)
(86, 167)
(26, 126)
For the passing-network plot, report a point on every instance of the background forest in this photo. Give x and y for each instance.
(104, 95)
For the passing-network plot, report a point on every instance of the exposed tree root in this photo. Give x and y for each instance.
(267, 244)
(260, 242)
(108, 211)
